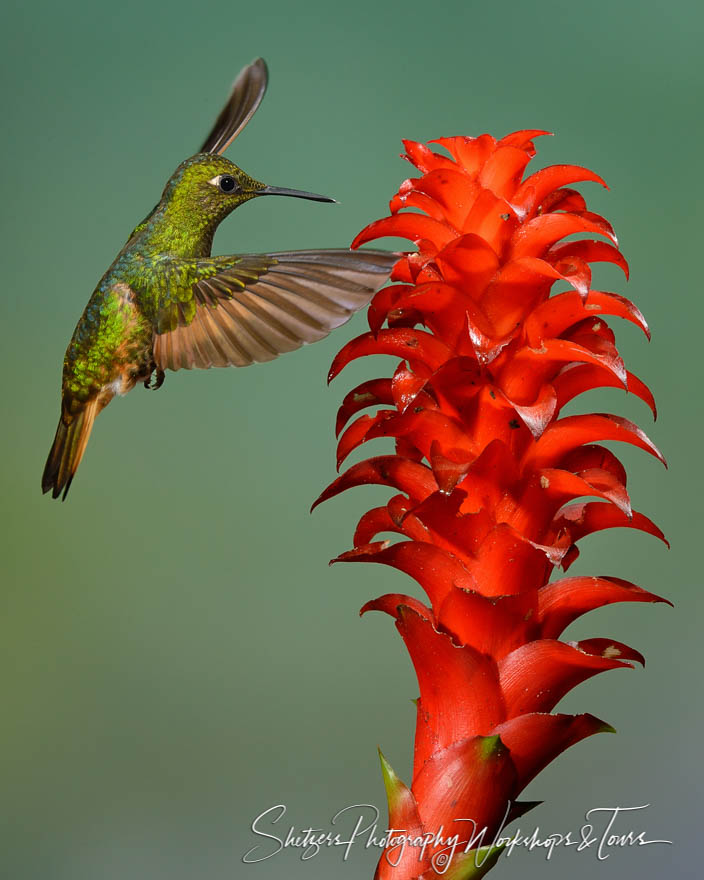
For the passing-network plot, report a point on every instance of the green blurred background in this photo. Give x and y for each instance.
(176, 655)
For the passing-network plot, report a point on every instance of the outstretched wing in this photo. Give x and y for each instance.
(249, 309)
(246, 95)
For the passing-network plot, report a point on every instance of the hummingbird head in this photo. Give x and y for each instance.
(202, 192)
(209, 186)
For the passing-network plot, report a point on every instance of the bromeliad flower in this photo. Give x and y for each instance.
(486, 473)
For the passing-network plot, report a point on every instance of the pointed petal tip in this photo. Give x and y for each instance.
(371, 605)
(358, 241)
(520, 808)
(399, 796)
(335, 369)
(387, 771)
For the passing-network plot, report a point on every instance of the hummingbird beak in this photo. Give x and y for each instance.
(296, 193)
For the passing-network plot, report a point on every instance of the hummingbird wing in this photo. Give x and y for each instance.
(249, 309)
(246, 95)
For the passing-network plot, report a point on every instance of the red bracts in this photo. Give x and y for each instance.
(485, 475)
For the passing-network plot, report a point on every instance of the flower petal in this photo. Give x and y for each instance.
(494, 626)
(470, 153)
(414, 227)
(610, 649)
(536, 739)
(424, 158)
(523, 377)
(543, 182)
(391, 602)
(466, 787)
(563, 601)
(536, 676)
(400, 862)
(413, 345)
(572, 431)
(575, 380)
(537, 235)
(376, 391)
(459, 686)
(415, 479)
(434, 569)
(584, 519)
(590, 250)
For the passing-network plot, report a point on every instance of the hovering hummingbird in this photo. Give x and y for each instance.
(166, 304)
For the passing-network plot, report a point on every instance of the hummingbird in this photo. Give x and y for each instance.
(166, 303)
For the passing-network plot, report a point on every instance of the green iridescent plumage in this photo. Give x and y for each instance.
(166, 303)
(151, 283)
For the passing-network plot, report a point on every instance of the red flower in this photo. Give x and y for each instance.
(486, 472)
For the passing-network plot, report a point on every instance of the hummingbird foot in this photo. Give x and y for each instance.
(160, 376)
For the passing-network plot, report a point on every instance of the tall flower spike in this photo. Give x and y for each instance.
(487, 472)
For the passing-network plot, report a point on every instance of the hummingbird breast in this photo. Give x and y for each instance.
(111, 348)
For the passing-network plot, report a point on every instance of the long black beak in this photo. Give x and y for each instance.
(296, 193)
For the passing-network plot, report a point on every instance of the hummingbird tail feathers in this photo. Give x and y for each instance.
(67, 451)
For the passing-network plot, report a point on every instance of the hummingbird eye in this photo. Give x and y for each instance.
(227, 183)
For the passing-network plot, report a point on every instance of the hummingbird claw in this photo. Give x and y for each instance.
(160, 376)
